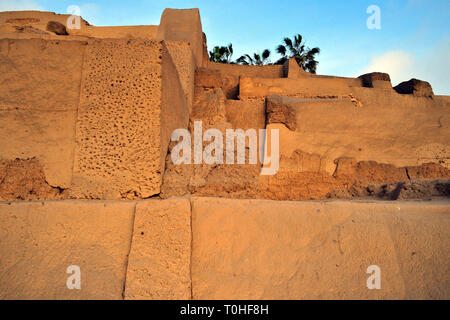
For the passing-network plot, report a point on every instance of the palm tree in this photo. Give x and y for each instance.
(221, 54)
(257, 60)
(304, 56)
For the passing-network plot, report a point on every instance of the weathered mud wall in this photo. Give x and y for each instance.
(241, 249)
(125, 32)
(399, 130)
(253, 88)
(275, 71)
(97, 130)
(33, 24)
(39, 94)
(89, 115)
(337, 139)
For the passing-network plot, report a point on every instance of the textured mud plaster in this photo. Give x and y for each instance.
(38, 20)
(399, 130)
(270, 71)
(131, 101)
(25, 180)
(174, 105)
(257, 249)
(40, 239)
(40, 74)
(208, 78)
(246, 114)
(159, 261)
(279, 112)
(48, 136)
(39, 91)
(125, 32)
(254, 88)
(183, 25)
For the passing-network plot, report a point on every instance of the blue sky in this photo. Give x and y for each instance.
(414, 39)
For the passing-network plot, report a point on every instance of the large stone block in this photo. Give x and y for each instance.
(39, 240)
(183, 25)
(131, 100)
(159, 262)
(257, 249)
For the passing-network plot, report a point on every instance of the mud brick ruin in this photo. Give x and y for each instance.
(86, 176)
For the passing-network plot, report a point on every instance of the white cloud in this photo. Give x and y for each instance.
(17, 5)
(399, 65)
(431, 66)
(90, 12)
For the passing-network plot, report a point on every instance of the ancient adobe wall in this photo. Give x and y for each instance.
(271, 71)
(176, 25)
(253, 88)
(332, 118)
(125, 32)
(349, 141)
(240, 249)
(34, 23)
(38, 19)
(39, 95)
(183, 25)
(121, 136)
(184, 60)
(230, 74)
(387, 128)
(96, 115)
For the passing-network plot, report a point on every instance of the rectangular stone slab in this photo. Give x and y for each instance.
(130, 102)
(159, 262)
(40, 239)
(260, 249)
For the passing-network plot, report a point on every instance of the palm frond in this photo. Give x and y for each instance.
(281, 50)
(298, 40)
(288, 43)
